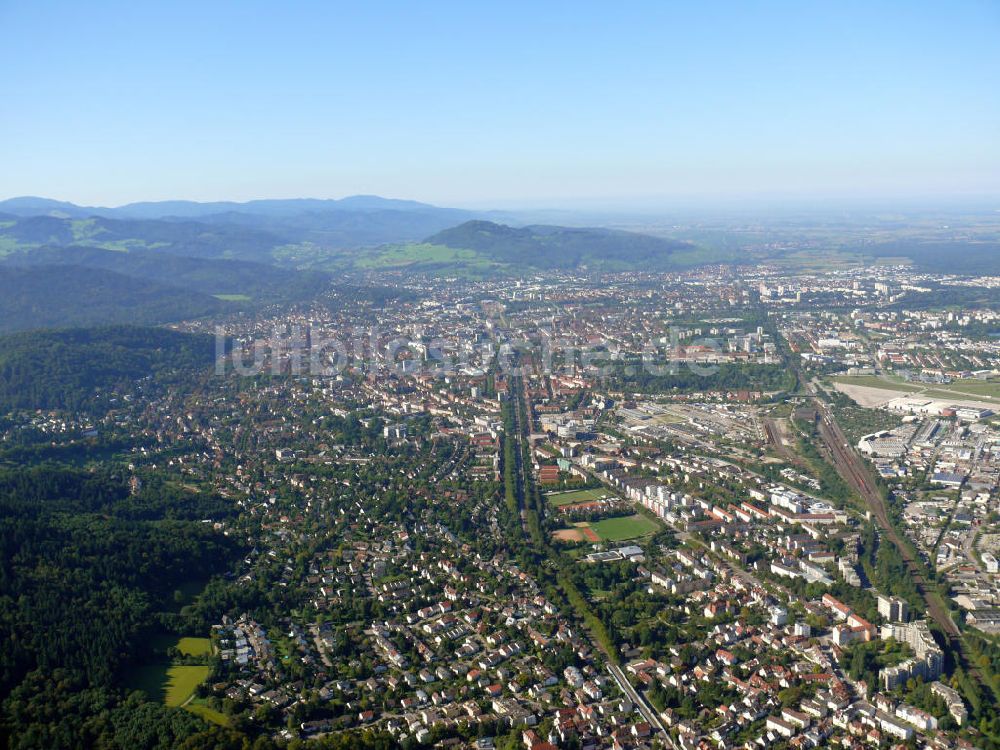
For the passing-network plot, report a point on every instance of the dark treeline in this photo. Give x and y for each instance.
(942, 297)
(885, 566)
(724, 377)
(959, 256)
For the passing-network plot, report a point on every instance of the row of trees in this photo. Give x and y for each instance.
(635, 376)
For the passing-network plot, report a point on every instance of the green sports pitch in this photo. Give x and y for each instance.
(558, 499)
(626, 527)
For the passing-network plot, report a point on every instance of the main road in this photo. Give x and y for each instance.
(521, 406)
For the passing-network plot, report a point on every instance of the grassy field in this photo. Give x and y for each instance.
(989, 388)
(171, 683)
(830, 260)
(457, 261)
(873, 381)
(199, 707)
(406, 255)
(969, 389)
(174, 684)
(10, 245)
(232, 297)
(558, 499)
(182, 679)
(84, 229)
(627, 527)
(195, 646)
(126, 246)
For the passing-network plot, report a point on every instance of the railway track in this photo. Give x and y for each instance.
(851, 468)
(773, 434)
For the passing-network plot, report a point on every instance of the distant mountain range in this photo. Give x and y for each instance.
(359, 234)
(161, 261)
(148, 263)
(34, 206)
(250, 231)
(67, 265)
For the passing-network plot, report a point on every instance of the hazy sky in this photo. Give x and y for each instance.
(538, 102)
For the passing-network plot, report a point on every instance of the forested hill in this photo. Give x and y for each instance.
(561, 248)
(232, 280)
(76, 368)
(66, 295)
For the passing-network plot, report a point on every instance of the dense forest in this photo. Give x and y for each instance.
(91, 566)
(75, 368)
(49, 296)
(250, 283)
(84, 576)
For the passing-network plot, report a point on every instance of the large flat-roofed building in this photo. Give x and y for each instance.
(893, 609)
(928, 659)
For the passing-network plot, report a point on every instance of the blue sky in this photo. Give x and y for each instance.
(554, 103)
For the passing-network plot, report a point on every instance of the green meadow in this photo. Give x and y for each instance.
(558, 499)
(626, 527)
(174, 684)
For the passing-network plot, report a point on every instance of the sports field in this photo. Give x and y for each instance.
(626, 527)
(558, 499)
